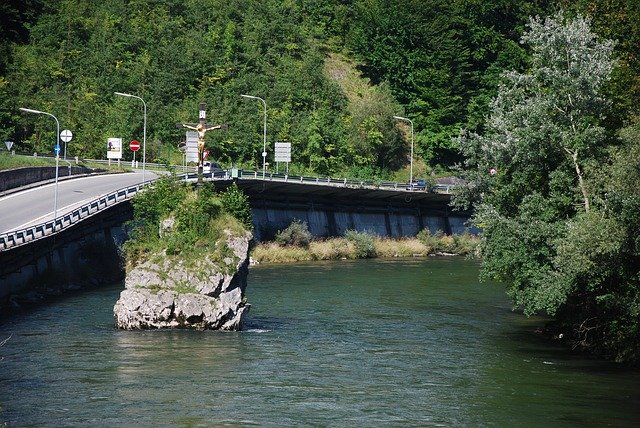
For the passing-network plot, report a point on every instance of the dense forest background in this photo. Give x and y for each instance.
(332, 72)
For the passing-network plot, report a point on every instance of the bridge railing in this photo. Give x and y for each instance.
(189, 173)
(342, 182)
(24, 236)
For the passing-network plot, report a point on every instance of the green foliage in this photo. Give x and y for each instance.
(171, 218)
(462, 244)
(558, 213)
(295, 235)
(442, 60)
(364, 244)
(194, 214)
(236, 203)
(156, 203)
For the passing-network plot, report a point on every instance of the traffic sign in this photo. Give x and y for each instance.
(205, 154)
(9, 144)
(66, 135)
(134, 145)
(282, 152)
(56, 149)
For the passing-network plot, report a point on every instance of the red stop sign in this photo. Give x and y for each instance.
(134, 145)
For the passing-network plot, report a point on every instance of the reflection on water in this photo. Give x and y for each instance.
(401, 342)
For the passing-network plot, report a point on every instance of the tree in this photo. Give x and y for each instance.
(548, 229)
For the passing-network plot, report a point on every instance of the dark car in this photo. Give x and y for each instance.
(417, 185)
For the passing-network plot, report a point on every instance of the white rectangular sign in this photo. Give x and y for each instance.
(114, 148)
(192, 146)
(283, 152)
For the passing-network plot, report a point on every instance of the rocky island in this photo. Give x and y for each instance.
(187, 262)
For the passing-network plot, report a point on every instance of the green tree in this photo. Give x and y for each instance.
(547, 231)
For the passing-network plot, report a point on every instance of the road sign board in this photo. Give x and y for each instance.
(283, 152)
(134, 145)
(192, 146)
(56, 149)
(66, 135)
(114, 148)
(205, 154)
(9, 144)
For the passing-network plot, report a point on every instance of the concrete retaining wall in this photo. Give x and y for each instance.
(20, 177)
(326, 223)
(85, 256)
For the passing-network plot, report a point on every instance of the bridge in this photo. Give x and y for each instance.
(330, 206)
(39, 246)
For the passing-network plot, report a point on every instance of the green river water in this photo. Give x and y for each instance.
(349, 343)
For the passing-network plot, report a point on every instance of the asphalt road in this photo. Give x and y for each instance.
(36, 205)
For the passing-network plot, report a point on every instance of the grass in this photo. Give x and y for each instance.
(8, 161)
(344, 248)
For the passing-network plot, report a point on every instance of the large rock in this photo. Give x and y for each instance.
(170, 292)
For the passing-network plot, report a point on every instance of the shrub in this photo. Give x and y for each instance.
(296, 235)
(196, 212)
(363, 241)
(236, 203)
(159, 200)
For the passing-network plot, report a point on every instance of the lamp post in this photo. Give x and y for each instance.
(411, 162)
(264, 129)
(144, 132)
(57, 150)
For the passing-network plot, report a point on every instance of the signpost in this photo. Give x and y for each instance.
(66, 136)
(192, 146)
(114, 149)
(283, 154)
(134, 145)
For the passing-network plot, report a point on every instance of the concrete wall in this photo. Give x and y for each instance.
(19, 177)
(85, 256)
(325, 223)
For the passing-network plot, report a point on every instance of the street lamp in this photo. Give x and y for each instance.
(144, 131)
(57, 150)
(264, 129)
(411, 163)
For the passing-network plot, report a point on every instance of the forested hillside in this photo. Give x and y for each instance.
(437, 62)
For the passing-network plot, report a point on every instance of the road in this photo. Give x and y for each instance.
(36, 205)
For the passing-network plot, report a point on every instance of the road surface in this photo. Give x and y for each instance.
(36, 205)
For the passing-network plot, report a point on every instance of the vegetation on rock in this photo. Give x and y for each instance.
(171, 218)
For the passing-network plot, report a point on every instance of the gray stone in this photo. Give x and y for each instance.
(163, 293)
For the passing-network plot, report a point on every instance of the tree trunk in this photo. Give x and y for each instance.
(583, 189)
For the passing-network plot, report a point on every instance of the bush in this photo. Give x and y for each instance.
(157, 202)
(295, 235)
(236, 203)
(363, 242)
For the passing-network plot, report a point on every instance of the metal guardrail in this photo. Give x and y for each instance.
(20, 237)
(191, 173)
(328, 181)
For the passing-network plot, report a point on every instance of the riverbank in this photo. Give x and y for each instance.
(363, 246)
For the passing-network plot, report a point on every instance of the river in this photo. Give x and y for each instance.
(349, 343)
